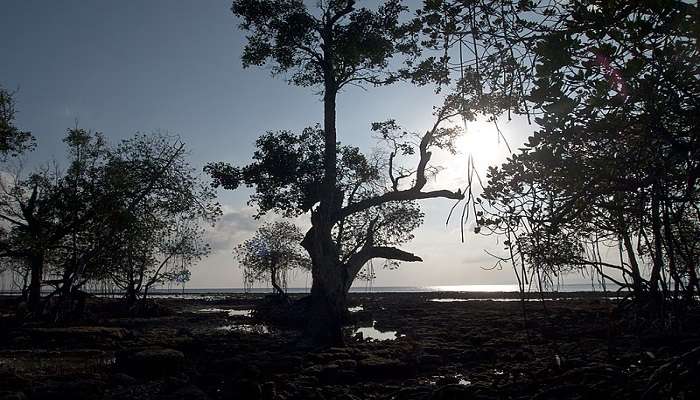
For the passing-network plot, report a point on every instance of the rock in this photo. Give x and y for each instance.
(248, 390)
(12, 396)
(478, 356)
(22, 310)
(269, 391)
(452, 392)
(307, 393)
(383, 368)
(429, 360)
(95, 336)
(80, 389)
(333, 374)
(347, 364)
(152, 362)
(10, 382)
(414, 393)
(189, 392)
(121, 379)
(462, 392)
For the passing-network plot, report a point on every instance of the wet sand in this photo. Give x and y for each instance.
(400, 346)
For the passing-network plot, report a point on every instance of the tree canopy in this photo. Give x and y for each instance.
(130, 213)
(271, 254)
(615, 162)
(13, 141)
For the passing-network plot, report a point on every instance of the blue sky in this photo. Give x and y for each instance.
(125, 66)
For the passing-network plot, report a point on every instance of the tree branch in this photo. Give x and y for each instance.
(401, 195)
(359, 259)
(414, 193)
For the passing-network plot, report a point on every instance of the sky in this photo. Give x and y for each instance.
(121, 67)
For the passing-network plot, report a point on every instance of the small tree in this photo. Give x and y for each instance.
(139, 201)
(272, 253)
(157, 236)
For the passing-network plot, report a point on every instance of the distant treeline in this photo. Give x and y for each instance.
(127, 216)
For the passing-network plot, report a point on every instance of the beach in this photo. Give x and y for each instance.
(410, 345)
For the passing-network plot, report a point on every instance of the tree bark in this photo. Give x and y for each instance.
(36, 264)
(634, 266)
(655, 278)
(273, 279)
(131, 297)
(328, 300)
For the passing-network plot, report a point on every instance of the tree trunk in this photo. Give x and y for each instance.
(655, 279)
(273, 279)
(634, 266)
(328, 298)
(130, 295)
(328, 302)
(36, 264)
(328, 295)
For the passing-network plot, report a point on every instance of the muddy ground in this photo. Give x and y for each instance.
(211, 348)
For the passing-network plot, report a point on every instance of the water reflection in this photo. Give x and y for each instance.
(230, 312)
(456, 300)
(247, 328)
(356, 309)
(458, 379)
(450, 300)
(370, 332)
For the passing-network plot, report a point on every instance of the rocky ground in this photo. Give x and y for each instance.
(208, 348)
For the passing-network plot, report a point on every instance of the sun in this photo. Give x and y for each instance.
(481, 142)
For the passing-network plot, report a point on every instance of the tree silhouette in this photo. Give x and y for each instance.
(616, 161)
(13, 141)
(329, 48)
(271, 254)
(75, 225)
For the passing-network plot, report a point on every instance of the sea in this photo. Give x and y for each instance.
(505, 288)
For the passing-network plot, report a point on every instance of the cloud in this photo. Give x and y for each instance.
(478, 258)
(233, 227)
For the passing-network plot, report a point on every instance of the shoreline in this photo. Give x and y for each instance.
(399, 345)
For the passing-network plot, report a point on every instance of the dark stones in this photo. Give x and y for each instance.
(152, 362)
(374, 368)
(430, 360)
(78, 389)
(462, 392)
(476, 356)
(189, 392)
(334, 374)
(12, 396)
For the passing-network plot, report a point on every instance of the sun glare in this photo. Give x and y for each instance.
(480, 141)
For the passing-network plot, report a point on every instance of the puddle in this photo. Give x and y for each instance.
(356, 309)
(448, 300)
(462, 380)
(247, 328)
(240, 313)
(458, 379)
(485, 299)
(454, 300)
(38, 362)
(370, 332)
(230, 312)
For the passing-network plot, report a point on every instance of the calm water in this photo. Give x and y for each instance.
(400, 289)
(375, 289)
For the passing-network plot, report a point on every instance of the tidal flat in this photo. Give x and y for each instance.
(401, 346)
